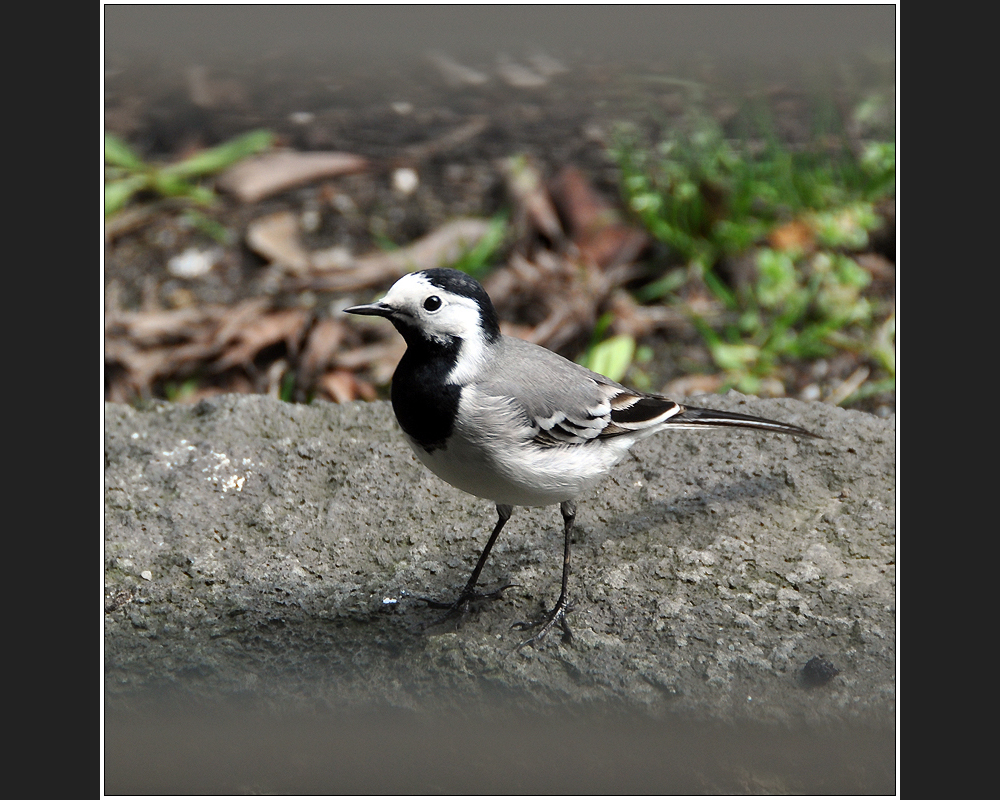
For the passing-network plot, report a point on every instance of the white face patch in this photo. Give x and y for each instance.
(449, 317)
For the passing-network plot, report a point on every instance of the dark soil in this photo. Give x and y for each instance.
(403, 114)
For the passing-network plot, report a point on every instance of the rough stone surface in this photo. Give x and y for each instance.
(268, 556)
(256, 546)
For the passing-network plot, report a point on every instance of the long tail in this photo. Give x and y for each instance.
(694, 417)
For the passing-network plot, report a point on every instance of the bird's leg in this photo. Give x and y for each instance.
(557, 616)
(469, 593)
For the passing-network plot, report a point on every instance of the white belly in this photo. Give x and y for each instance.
(535, 476)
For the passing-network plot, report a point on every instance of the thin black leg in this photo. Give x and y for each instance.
(503, 514)
(469, 593)
(557, 616)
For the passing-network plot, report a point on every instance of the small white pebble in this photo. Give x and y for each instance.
(405, 180)
(146, 575)
(194, 263)
(811, 392)
(402, 107)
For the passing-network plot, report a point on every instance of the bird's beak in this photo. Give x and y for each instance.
(371, 310)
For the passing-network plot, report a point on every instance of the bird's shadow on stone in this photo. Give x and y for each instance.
(681, 512)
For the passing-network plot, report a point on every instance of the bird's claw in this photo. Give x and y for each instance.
(557, 616)
(462, 605)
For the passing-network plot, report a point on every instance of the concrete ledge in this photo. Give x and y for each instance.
(270, 555)
(257, 546)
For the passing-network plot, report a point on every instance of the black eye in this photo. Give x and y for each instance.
(432, 303)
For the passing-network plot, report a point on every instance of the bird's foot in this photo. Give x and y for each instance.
(462, 605)
(557, 616)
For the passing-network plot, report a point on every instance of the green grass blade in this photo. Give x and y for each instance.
(118, 193)
(612, 357)
(224, 155)
(119, 154)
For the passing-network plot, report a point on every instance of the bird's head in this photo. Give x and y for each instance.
(437, 306)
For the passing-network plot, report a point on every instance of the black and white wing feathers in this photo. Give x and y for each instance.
(566, 404)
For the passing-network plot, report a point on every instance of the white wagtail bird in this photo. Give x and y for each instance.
(510, 421)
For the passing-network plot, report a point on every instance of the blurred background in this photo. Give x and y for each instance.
(689, 199)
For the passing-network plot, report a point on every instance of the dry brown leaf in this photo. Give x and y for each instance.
(557, 328)
(449, 141)
(440, 247)
(794, 236)
(276, 238)
(562, 295)
(261, 176)
(147, 328)
(506, 285)
(321, 346)
(235, 318)
(595, 226)
(379, 359)
(153, 345)
(632, 319)
(365, 390)
(525, 184)
(580, 206)
(142, 367)
(280, 326)
(613, 246)
(338, 385)
(343, 387)
(188, 356)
